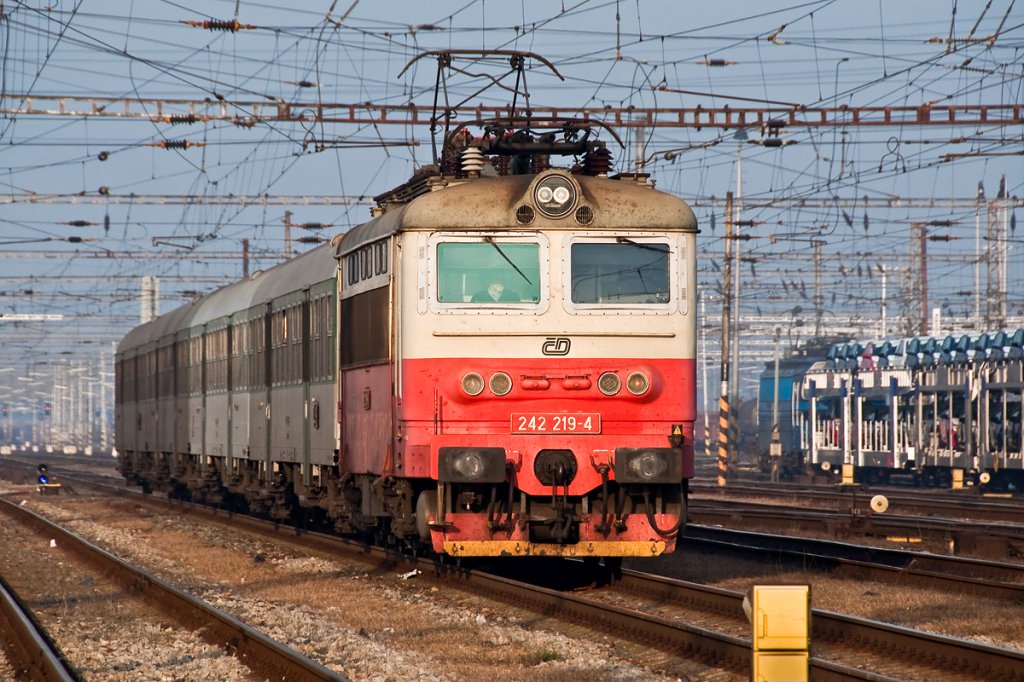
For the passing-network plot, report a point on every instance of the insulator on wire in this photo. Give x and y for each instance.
(717, 62)
(176, 144)
(219, 25)
(181, 119)
(310, 239)
(314, 226)
(79, 223)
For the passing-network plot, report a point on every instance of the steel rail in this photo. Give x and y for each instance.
(253, 648)
(990, 579)
(856, 523)
(938, 503)
(33, 652)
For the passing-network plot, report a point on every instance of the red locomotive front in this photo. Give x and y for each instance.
(540, 363)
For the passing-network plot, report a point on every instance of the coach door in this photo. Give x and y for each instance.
(364, 328)
(259, 390)
(320, 386)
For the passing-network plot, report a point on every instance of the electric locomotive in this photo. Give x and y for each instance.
(501, 362)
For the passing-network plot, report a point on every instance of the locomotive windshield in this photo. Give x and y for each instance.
(621, 272)
(488, 272)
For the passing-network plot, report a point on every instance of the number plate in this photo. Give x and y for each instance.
(556, 423)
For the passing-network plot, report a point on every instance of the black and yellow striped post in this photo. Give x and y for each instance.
(725, 430)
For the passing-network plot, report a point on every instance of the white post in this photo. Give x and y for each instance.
(704, 372)
(885, 301)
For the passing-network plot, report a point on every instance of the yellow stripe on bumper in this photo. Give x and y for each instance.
(583, 549)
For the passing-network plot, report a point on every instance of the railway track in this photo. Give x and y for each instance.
(964, 504)
(258, 652)
(983, 578)
(34, 655)
(960, 535)
(685, 620)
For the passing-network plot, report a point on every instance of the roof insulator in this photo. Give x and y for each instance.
(472, 162)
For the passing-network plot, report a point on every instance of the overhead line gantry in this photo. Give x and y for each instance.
(249, 113)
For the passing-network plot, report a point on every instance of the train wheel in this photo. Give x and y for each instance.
(426, 504)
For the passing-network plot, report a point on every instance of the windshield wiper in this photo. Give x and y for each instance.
(490, 240)
(660, 248)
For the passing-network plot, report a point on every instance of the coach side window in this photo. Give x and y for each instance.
(488, 272)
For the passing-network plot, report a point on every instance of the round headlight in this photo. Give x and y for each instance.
(609, 383)
(500, 383)
(555, 196)
(647, 466)
(638, 383)
(472, 383)
(471, 465)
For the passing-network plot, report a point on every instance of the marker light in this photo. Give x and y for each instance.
(609, 383)
(638, 383)
(500, 383)
(472, 383)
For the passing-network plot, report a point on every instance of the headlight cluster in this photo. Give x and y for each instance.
(648, 465)
(637, 383)
(609, 383)
(555, 196)
(473, 383)
(471, 465)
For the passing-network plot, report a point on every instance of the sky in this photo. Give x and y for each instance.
(90, 201)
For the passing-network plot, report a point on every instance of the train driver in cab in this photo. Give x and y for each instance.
(496, 292)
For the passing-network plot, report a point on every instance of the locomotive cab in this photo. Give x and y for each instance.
(543, 354)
